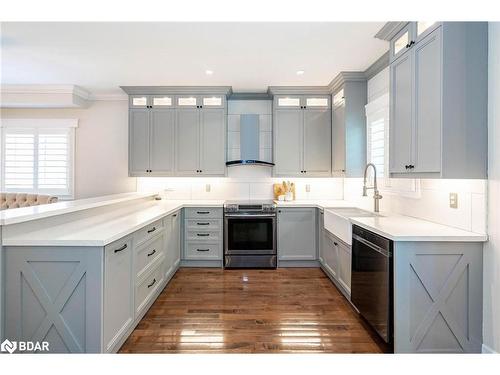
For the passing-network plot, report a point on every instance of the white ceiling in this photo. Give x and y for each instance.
(247, 56)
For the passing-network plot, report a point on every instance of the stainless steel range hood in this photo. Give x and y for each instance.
(249, 141)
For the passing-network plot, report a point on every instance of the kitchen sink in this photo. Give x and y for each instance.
(336, 221)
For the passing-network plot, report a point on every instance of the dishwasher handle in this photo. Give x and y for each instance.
(378, 249)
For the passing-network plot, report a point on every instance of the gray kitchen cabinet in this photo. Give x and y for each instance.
(317, 142)
(187, 140)
(177, 131)
(401, 110)
(438, 299)
(203, 236)
(297, 234)
(349, 124)
(302, 135)
(288, 142)
(118, 291)
(344, 265)
(162, 126)
(438, 110)
(172, 244)
(138, 142)
(330, 255)
(212, 142)
(200, 142)
(151, 142)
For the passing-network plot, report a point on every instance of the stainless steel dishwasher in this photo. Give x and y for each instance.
(372, 280)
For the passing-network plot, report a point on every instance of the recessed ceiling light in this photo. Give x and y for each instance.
(300, 72)
(209, 72)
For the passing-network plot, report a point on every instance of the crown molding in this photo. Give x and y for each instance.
(44, 96)
(171, 90)
(379, 65)
(390, 29)
(344, 77)
(298, 90)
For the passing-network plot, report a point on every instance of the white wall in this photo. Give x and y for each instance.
(491, 255)
(101, 155)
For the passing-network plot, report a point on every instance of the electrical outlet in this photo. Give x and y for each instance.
(308, 188)
(208, 188)
(453, 200)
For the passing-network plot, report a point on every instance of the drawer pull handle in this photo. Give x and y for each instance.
(174, 215)
(202, 223)
(202, 212)
(202, 234)
(153, 283)
(151, 253)
(152, 230)
(203, 250)
(121, 248)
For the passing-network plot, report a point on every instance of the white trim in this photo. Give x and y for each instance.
(38, 123)
(46, 89)
(487, 350)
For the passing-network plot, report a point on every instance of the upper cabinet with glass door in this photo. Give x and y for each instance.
(201, 101)
(406, 38)
(302, 101)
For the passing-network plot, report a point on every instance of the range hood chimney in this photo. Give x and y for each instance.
(244, 140)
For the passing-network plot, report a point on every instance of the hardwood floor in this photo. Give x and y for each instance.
(287, 310)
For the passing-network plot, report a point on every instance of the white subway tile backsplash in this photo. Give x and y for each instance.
(265, 123)
(265, 139)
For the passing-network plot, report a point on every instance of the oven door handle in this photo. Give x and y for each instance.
(249, 216)
(378, 249)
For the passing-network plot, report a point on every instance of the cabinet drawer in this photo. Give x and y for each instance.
(145, 290)
(147, 254)
(203, 251)
(203, 213)
(214, 224)
(149, 231)
(203, 235)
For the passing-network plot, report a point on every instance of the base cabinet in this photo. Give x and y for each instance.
(88, 299)
(297, 234)
(335, 260)
(118, 291)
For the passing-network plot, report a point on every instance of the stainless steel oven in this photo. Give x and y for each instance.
(250, 235)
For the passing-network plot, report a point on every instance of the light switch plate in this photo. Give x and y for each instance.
(453, 200)
(208, 188)
(308, 188)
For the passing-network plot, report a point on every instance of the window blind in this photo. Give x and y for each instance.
(37, 160)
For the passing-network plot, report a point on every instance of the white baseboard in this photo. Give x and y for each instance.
(487, 350)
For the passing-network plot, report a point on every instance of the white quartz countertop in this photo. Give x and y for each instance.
(19, 215)
(406, 228)
(95, 229)
(108, 224)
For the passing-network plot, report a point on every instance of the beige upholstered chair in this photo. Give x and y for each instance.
(16, 200)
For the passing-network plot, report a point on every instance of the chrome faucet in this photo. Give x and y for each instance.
(376, 195)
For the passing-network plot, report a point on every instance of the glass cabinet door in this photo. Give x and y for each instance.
(187, 101)
(402, 41)
(212, 101)
(423, 28)
(162, 101)
(286, 101)
(317, 102)
(139, 101)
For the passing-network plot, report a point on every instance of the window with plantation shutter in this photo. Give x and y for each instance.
(37, 157)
